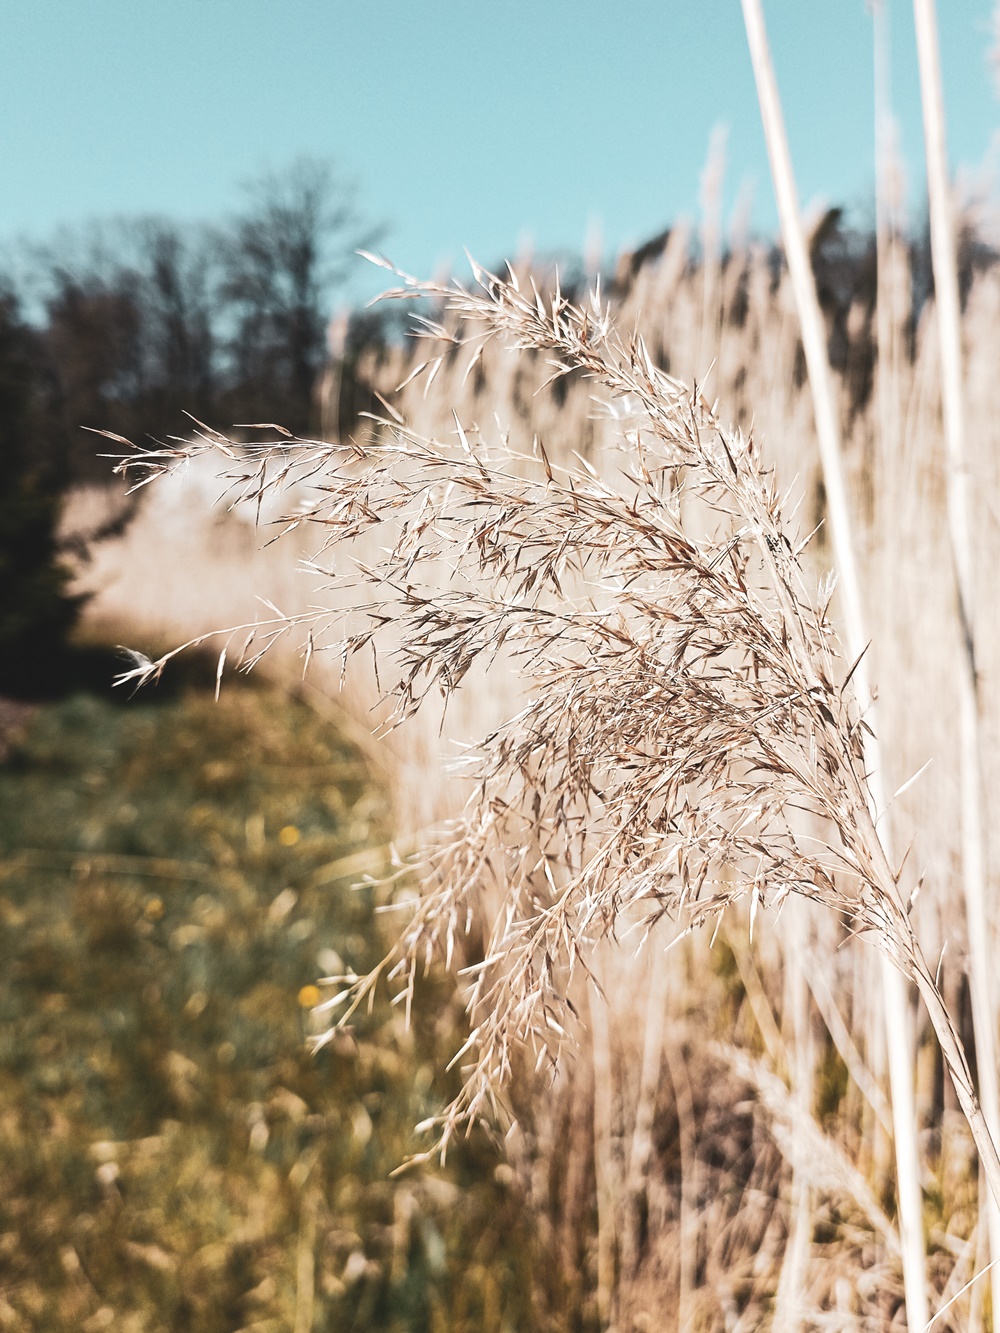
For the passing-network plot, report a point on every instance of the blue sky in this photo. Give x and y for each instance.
(461, 124)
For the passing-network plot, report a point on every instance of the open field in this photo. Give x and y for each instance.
(174, 877)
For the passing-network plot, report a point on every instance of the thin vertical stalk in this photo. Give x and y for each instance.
(946, 299)
(887, 479)
(712, 177)
(898, 1035)
(641, 1151)
(797, 1016)
(888, 316)
(690, 1221)
(604, 1158)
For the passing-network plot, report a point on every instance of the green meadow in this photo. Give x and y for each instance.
(175, 878)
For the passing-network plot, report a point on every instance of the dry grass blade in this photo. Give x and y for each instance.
(684, 694)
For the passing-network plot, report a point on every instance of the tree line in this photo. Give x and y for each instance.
(127, 325)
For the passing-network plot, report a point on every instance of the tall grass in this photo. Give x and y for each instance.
(722, 1173)
(669, 733)
(898, 1036)
(981, 964)
(673, 322)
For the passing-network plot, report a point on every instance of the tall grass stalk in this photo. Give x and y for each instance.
(898, 1035)
(640, 1150)
(789, 1302)
(607, 1240)
(943, 257)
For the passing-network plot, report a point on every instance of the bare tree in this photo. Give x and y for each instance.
(178, 308)
(281, 260)
(129, 329)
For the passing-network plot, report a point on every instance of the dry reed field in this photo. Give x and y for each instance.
(671, 1135)
(644, 825)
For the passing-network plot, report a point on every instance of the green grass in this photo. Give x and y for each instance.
(171, 1157)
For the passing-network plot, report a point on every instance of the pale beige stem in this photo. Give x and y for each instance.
(948, 311)
(791, 1284)
(688, 1138)
(961, 1077)
(603, 1157)
(711, 237)
(641, 1151)
(889, 318)
(981, 1257)
(827, 428)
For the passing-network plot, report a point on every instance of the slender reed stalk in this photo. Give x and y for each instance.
(687, 1136)
(898, 1036)
(604, 1166)
(943, 258)
(305, 1266)
(640, 1152)
(712, 177)
(789, 1297)
(891, 307)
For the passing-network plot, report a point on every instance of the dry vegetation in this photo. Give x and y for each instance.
(725, 1120)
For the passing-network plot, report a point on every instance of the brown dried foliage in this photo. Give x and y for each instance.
(689, 735)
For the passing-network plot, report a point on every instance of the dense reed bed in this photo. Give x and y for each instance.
(720, 1144)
